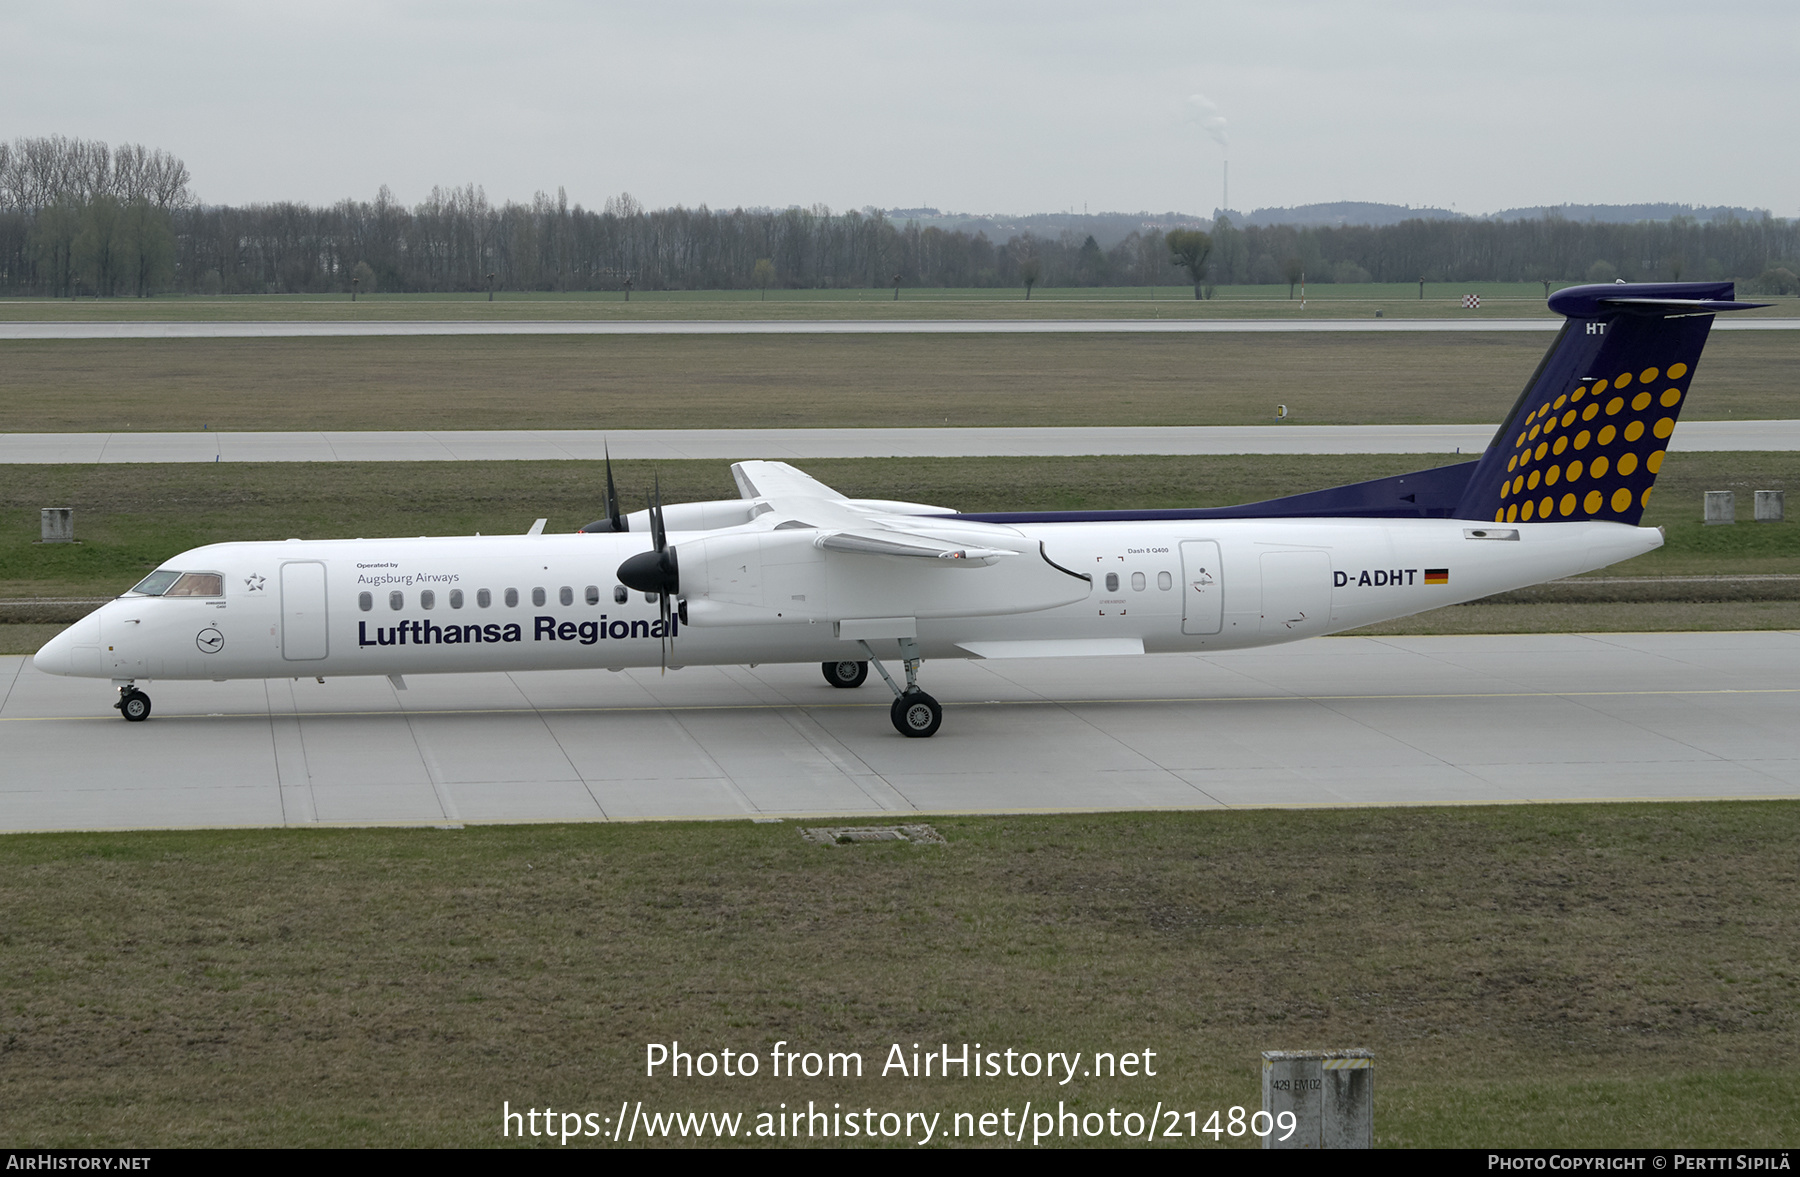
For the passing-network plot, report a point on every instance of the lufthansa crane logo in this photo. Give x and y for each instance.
(210, 641)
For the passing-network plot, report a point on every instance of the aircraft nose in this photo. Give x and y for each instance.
(59, 653)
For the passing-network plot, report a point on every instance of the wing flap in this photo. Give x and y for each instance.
(909, 544)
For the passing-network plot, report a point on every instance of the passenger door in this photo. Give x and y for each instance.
(303, 634)
(1202, 587)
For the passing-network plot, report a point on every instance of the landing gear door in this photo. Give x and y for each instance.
(303, 612)
(1202, 588)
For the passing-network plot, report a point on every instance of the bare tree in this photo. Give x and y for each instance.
(1189, 249)
(1030, 270)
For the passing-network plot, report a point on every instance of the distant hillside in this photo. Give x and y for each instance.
(1107, 229)
(1630, 214)
(1344, 212)
(1358, 212)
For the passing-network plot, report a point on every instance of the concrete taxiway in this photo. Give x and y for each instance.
(793, 444)
(369, 328)
(1332, 721)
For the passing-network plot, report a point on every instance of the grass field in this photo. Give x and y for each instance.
(1527, 976)
(589, 382)
(131, 517)
(1394, 300)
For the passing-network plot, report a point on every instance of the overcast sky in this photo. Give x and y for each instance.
(971, 106)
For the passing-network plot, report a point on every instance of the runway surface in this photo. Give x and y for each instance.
(738, 444)
(1332, 721)
(367, 328)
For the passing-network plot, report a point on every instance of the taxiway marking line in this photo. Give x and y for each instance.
(970, 703)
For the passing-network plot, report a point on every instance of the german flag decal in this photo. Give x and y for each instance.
(1437, 576)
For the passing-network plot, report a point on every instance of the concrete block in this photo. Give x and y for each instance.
(58, 525)
(1768, 506)
(1331, 1094)
(1721, 507)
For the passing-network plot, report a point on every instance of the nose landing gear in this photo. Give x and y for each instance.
(133, 704)
(915, 714)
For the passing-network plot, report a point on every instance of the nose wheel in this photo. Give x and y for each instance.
(133, 704)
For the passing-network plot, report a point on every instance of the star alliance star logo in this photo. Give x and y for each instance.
(254, 583)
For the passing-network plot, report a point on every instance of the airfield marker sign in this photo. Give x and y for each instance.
(1331, 1094)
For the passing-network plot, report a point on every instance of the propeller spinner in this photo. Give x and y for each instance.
(655, 571)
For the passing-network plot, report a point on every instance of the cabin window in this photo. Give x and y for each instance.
(1112, 582)
(620, 594)
(396, 600)
(197, 584)
(483, 598)
(566, 596)
(1137, 582)
(427, 599)
(365, 601)
(537, 597)
(157, 583)
(593, 594)
(456, 598)
(1164, 581)
(512, 598)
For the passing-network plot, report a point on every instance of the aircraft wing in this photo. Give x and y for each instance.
(811, 554)
(775, 480)
(788, 500)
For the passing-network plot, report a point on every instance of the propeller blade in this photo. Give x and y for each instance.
(612, 494)
(663, 601)
(614, 521)
(658, 537)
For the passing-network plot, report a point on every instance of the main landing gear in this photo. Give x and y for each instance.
(916, 715)
(133, 704)
(845, 674)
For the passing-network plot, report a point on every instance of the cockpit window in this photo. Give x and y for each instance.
(197, 584)
(169, 583)
(157, 583)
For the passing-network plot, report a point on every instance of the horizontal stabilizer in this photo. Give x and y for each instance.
(1679, 306)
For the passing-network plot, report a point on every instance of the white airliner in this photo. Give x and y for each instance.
(795, 572)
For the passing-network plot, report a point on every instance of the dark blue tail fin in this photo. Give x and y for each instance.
(1584, 440)
(1586, 437)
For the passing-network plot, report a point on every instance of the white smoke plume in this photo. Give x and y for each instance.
(1205, 112)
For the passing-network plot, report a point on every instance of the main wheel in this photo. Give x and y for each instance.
(916, 714)
(845, 674)
(135, 706)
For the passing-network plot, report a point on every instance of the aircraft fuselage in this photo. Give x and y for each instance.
(499, 603)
